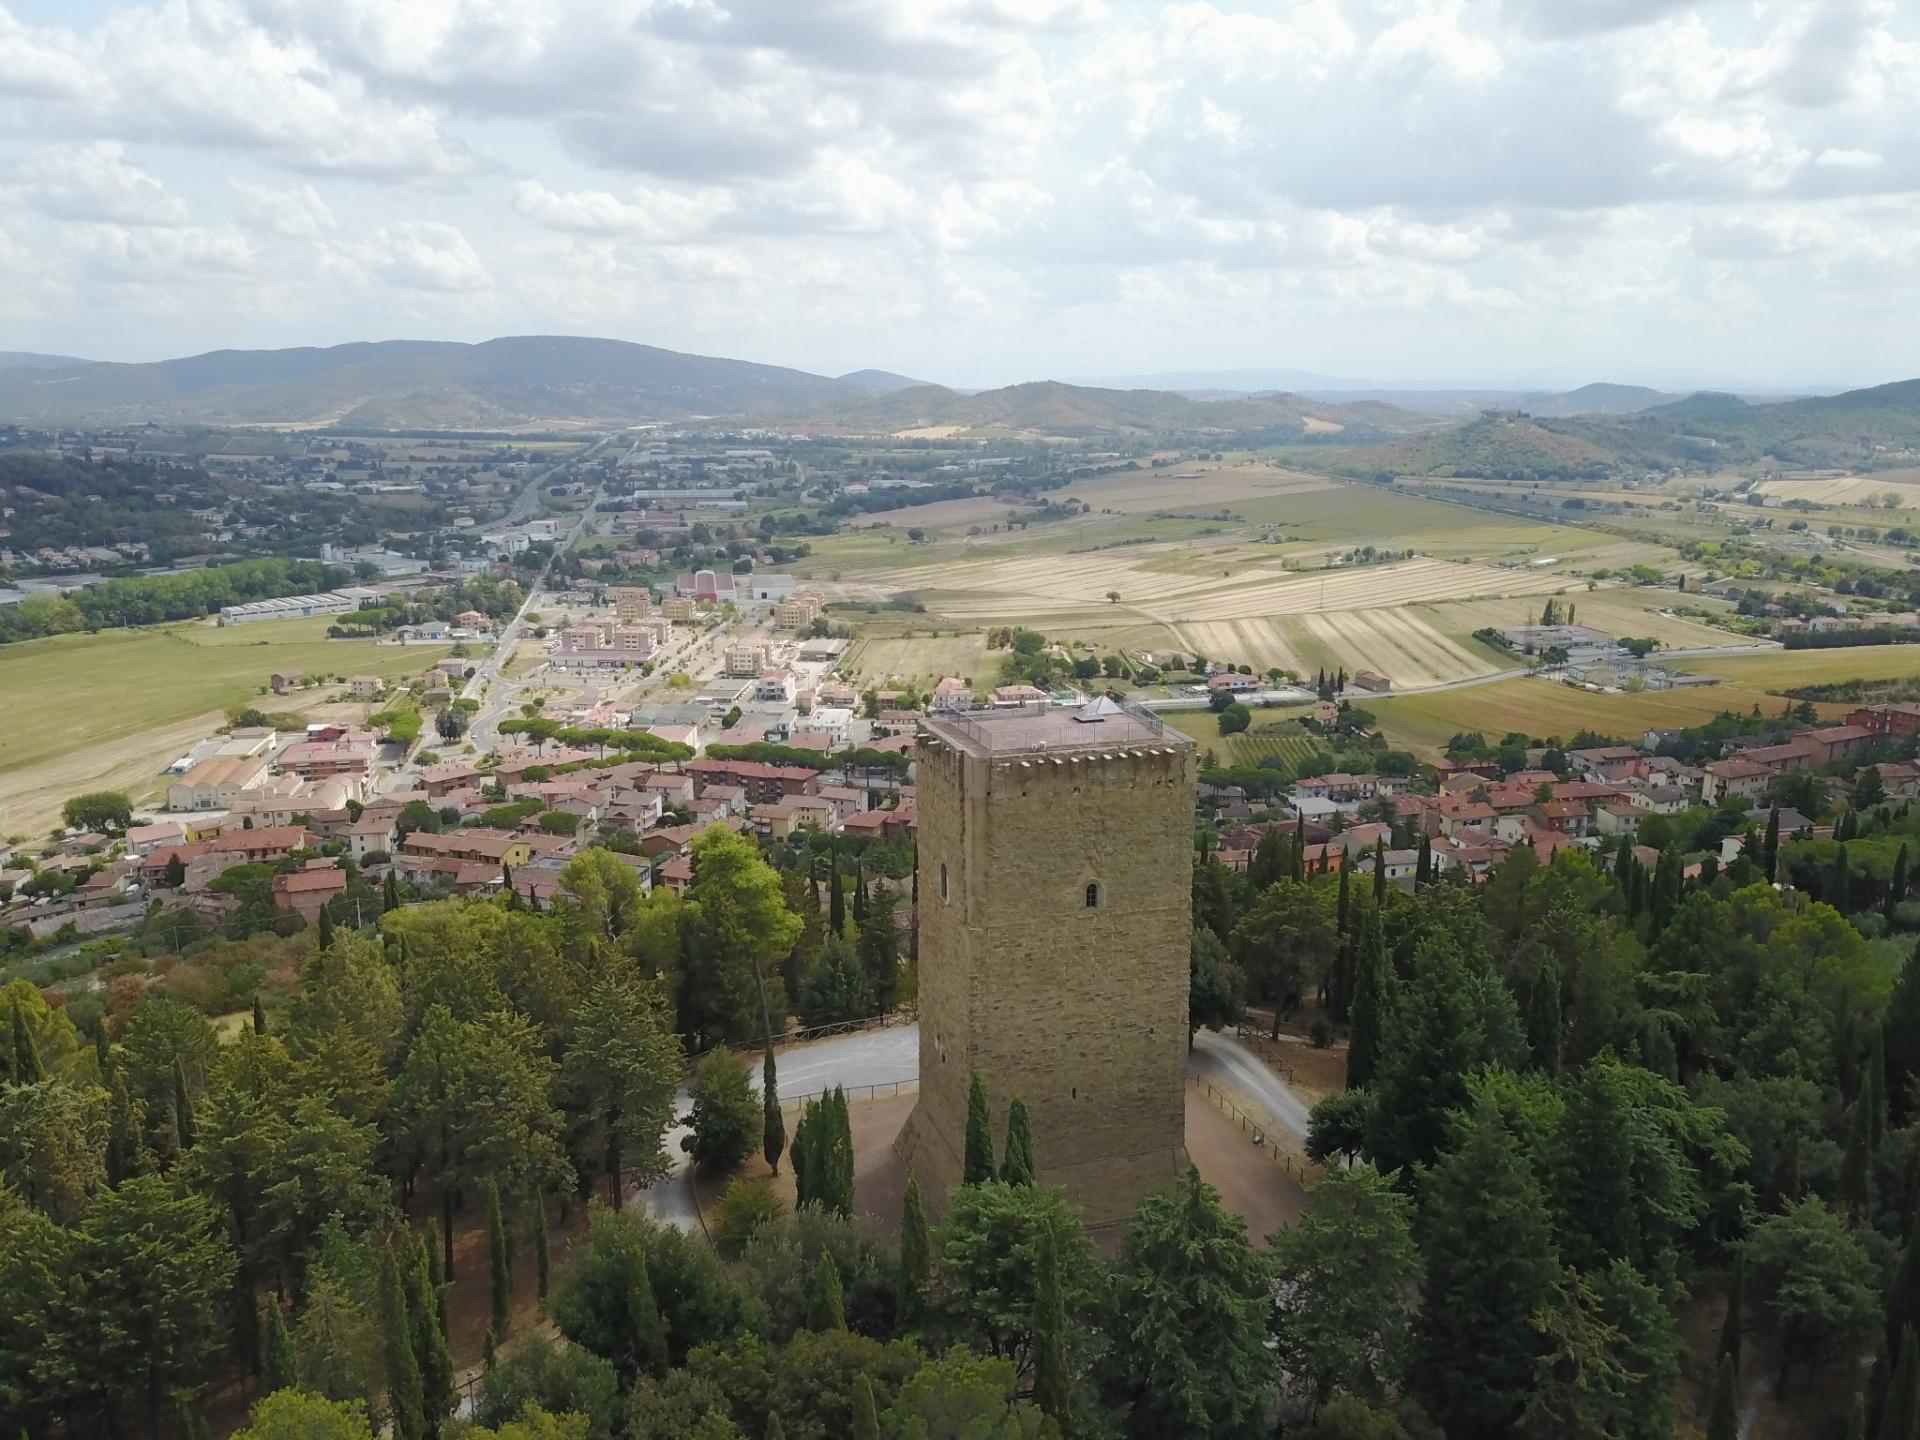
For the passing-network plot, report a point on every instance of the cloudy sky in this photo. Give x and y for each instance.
(979, 191)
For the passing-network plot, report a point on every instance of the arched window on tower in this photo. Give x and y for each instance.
(1093, 895)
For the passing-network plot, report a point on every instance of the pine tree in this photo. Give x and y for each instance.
(1770, 846)
(866, 1419)
(282, 1361)
(542, 1262)
(404, 1392)
(27, 1069)
(430, 1352)
(979, 1152)
(500, 1264)
(182, 1107)
(829, 1308)
(259, 1017)
(323, 936)
(916, 1256)
(773, 1124)
(390, 892)
(1723, 1420)
(1052, 1374)
(1733, 1327)
(1018, 1166)
(1372, 1000)
(1543, 1016)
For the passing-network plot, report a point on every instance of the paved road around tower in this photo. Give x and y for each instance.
(892, 1056)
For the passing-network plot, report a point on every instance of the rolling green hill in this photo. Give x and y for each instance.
(1859, 429)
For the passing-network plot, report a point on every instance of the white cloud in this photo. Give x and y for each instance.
(293, 211)
(95, 182)
(418, 255)
(998, 183)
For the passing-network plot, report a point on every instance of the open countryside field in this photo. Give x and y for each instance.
(916, 660)
(1618, 611)
(1542, 708)
(111, 710)
(1269, 737)
(1780, 670)
(1858, 490)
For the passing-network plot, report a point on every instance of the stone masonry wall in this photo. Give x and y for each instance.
(1081, 1012)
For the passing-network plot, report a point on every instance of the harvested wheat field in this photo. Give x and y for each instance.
(1192, 487)
(1619, 612)
(1848, 489)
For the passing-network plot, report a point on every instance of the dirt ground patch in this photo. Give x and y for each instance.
(1251, 1184)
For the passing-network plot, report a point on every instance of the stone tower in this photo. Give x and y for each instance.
(1056, 862)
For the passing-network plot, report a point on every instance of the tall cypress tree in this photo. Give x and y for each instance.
(1840, 881)
(1379, 871)
(404, 1392)
(1856, 1168)
(1770, 846)
(1900, 1412)
(500, 1264)
(1733, 1327)
(1874, 1085)
(259, 1017)
(1543, 1016)
(829, 1308)
(542, 1261)
(430, 1352)
(1052, 1373)
(323, 936)
(1018, 1167)
(773, 1124)
(649, 1324)
(390, 892)
(282, 1362)
(1423, 865)
(836, 902)
(979, 1151)
(866, 1418)
(859, 893)
(1897, 883)
(1723, 1420)
(916, 1256)
(26, 1055)
(182, 1107)
(1372, 1000)
(1490, 1271)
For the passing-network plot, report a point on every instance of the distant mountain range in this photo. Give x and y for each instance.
(399, 384)
(31, 360)
(1707, 430)
(539, 381)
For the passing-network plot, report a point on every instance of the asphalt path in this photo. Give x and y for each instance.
(864, 1057)
(892, 1056)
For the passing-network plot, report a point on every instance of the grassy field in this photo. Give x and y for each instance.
(111, 710)
(919, 660)
(1283, 739)
(1780, 670)
(1543, 708)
